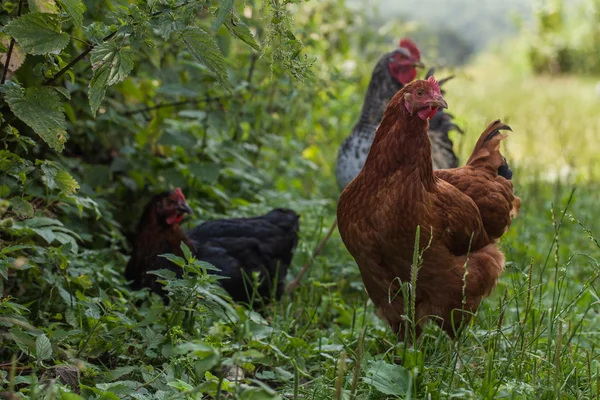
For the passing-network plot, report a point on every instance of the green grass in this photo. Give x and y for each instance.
(535, 337)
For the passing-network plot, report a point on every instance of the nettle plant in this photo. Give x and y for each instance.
(56, 53)
(78, 80)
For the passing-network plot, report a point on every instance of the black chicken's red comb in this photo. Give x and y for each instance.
(411, 47)
(177, 192)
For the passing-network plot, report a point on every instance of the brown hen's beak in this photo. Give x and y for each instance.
(418, 64)
(439, 102)
(183, 207)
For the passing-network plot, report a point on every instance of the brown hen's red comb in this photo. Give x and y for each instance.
(411, 47)
(434, 84)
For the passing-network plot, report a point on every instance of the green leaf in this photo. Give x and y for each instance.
(180, 385)
(66, 183)
(41, 109)
(224, 10)
(92, 312)
(15, 247)
(75, 10)
(388, 379)
(58, 178)
(38, 33)
(43, 348)
(186, 251)
(204, 49)
(70, 396)
(166, 274)
(23, 340)
(242, 32)
(64, 91)
(43, 6)
(46, 234)
(174, 259)
(22, 207)
(4, 264)
(111, 64)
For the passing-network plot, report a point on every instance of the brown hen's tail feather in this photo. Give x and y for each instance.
(486, 152)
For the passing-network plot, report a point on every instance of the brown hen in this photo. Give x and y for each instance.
(461, 213)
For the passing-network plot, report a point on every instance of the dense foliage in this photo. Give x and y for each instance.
(243, 105)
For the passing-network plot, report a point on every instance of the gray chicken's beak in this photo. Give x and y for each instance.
(419, 64)
(184, 207)
(439, 102)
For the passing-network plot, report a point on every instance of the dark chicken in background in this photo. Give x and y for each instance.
(392, 72)
(237, 246)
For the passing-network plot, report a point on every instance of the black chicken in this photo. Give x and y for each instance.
(238, 247)
(440, 125)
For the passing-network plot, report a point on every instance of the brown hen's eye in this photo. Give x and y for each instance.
(420, 92)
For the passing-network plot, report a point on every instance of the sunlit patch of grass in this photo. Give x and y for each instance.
(554, 119)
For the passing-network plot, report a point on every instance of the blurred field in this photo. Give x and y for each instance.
(554, 119)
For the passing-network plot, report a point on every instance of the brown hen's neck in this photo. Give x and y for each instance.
(401, 145)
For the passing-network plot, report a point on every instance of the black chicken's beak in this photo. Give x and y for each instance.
(419, 64)
(439, 102)
(184, 207)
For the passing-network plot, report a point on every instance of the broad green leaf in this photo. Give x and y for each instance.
(242, 32)
(98, 85)
(174, 259)
(388, 379)
(121, 371)
(69, 396)
(65, 238)
(166, 273)
(186, 251)
(165, 24)
(66, 183)
(22, 207)
(46, 234)
(180, 385)
(58, 178)
(75, 10)
(38, 33)
(204, 49)
(23, 340)
(224, 10)
(41, 109)
(92, 312)
(15, 247)
(40, 222)
(111, 64)
(43, 6)
(64, 91)
(43, 348)
(4, 264)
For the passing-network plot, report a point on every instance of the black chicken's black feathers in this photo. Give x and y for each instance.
(238, 247)
(241, 246)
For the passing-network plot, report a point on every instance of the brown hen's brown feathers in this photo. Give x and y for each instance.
(461, 212)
